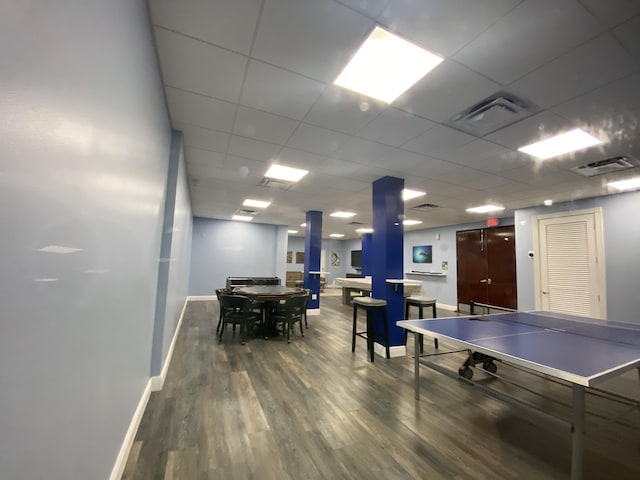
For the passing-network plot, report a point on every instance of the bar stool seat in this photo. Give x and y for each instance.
(420, 302)
(370, 305)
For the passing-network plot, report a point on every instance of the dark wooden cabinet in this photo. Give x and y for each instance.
(486, 266)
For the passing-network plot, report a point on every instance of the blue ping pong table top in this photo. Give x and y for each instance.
(577, 349)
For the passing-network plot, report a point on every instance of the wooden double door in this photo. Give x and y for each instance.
(486, 263)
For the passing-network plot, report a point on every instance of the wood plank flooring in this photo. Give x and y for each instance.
(313, 410)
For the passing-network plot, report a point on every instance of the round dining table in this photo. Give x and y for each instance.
(269, 295)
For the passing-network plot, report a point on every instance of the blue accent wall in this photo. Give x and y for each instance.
(223, 248)
(84, 165)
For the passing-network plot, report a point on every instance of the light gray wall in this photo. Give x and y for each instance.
(622, 250)
(84, 148)
(223, 248)
(444, 289)
(175, 253)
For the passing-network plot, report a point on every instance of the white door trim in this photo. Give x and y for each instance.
(600, 265)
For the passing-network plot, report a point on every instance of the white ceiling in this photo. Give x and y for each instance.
(249, 83)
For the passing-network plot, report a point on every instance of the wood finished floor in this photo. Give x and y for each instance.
(312, 409)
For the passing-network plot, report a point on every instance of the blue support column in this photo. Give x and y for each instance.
(367, 256)
(387, 253)
(312, 248)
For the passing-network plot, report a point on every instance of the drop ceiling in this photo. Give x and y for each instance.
(249, 83)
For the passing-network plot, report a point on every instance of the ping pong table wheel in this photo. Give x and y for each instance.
(466, 372)
(490, 367)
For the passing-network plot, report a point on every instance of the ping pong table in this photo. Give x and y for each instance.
(580, 351)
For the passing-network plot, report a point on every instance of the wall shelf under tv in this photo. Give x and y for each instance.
(428, 274)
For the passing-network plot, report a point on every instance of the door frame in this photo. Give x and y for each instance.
(600, 272)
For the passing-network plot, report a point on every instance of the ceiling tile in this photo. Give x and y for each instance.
(277, 91)
(449, 89)
(498, 52)
(394, 127)
(314, 38)
(371, 8)
(438, 141)
(628, 34)
(431, 168)
(473, 178)
(299, 159)
(194, 66)
(342, 110)
(203, 138)
(609, 109)
(189, 108)
(227, 23)
(589, 66)
(438, 25)
(399, 160)
(612, 12)
(204, 158)
(263, 126)
(316, 139)
(251, 148)
(538, 127)
(350, 169)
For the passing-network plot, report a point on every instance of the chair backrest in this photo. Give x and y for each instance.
(238, 303)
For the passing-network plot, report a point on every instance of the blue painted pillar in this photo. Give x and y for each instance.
(387, 253)
(367, 256)
(312, 248)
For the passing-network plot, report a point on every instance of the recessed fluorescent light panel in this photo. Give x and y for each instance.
(412, 222)
(364, 230)
(386, 66)
(288, 174)
(59, 249)
(626, 184)
(242, 218)
(485, 209)
(408, 194)
(548, 203)
(255, 203)
(303, 224)
(293, 231)
(343, 214)
(560, 144)
(336, 235)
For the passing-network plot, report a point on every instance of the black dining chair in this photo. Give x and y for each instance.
(220, 291)
(237, 310)
(290, 311)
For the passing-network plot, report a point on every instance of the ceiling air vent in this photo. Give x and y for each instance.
(246, 211)
(425, 206)
(273, 183)
(491, 114)
(614, 164)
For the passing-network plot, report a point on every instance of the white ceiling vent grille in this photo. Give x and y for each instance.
(273, 183)
(614, 164)
(491, 114)
(425, 206)
(247, 211)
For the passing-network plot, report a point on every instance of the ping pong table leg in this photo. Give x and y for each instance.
(577, 439)
(416, 367)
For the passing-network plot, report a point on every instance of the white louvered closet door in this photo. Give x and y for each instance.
(568, 265)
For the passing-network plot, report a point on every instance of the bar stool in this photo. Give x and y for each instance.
(370, 305)
(420, 302)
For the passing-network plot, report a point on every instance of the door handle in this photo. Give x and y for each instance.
(489, 281)
(483, 281)
(545, 292)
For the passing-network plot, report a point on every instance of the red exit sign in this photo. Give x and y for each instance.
(492, 222)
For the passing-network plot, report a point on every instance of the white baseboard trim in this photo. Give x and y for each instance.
(313, 311)
(443, 306)
(157, 382)
(202, 298)
(394, 351)
(125, 448)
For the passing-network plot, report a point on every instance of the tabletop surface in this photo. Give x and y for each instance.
(270, 290)
(578, 349)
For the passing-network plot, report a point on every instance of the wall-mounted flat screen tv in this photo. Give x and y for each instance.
(356, 258)
(422, 254)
